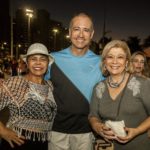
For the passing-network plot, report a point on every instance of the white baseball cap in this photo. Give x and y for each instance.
(37, 48)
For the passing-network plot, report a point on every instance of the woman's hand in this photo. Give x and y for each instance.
(131, 133)
(10, 136)
(104, 131)
(101, 129)
(108, 133)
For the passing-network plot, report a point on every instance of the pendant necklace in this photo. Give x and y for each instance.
(115, 84)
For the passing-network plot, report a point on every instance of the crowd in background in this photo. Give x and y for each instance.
(14, 67)
(11, 67)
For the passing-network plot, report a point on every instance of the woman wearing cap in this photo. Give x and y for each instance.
(30, 102)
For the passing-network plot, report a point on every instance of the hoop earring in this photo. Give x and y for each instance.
(105, 67)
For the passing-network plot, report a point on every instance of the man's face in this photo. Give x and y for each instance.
(81, 32)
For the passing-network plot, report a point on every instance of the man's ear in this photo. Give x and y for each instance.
(92, 34)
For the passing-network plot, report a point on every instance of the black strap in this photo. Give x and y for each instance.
(121, 97)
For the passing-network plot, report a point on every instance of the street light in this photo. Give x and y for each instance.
(55, 32)
(67, 36)
(29, 13)
(4, 44)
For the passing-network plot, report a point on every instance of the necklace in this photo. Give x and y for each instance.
(115, 84)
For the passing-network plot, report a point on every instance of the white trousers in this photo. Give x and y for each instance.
(62, 141)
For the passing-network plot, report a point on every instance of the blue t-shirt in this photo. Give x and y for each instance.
(83, 71)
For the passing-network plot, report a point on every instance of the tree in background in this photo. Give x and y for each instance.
(134, 43)
(146, 42)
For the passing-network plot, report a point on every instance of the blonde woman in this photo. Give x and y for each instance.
(120, 106)
(139, 63)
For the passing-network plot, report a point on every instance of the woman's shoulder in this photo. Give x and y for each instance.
(140, 78)
(49, 83)
(100, 88)
(100, 84)
(15, 79)
(138, 82)
(15, 82)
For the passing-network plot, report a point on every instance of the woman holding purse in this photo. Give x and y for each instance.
(120, 105)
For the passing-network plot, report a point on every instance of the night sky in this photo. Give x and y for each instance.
(124, 18)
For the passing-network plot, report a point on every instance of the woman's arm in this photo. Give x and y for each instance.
(10, 136)
(133, 132)
(94, 118)
(96, 124)
(101, 129)
(145, 125)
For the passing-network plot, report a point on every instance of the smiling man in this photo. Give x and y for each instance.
(74, 74)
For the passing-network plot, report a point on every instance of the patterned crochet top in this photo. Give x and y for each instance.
(32, 107)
